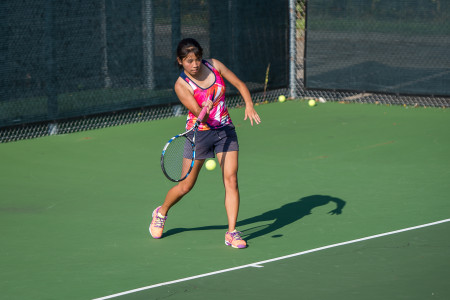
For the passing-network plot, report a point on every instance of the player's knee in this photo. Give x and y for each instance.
(231, 182)
(185, 188)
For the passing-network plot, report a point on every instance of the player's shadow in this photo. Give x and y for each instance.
(288, 214)
(285, 215)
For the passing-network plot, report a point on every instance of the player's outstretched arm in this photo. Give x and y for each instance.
(250, 112)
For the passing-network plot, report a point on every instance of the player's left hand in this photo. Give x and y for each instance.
(251, 114)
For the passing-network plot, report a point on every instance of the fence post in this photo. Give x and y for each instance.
(49, 57)
(292, 48)
(104, 40)
(148, 28)
(176, 23)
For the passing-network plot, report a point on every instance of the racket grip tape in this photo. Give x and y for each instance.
(202, 114)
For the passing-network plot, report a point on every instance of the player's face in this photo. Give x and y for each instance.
(192, 64)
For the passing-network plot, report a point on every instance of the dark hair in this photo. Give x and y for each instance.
(187, 46)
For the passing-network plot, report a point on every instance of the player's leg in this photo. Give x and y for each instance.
(229, 163)
(182, 188)
(174, 195)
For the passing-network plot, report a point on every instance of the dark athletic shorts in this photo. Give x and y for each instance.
(213, 141)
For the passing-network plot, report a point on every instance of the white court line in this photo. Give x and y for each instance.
(258, 264)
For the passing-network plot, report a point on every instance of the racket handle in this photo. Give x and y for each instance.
(202, 114)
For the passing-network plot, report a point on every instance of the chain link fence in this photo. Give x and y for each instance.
(85, 64)
(127, 71)
(374, 51)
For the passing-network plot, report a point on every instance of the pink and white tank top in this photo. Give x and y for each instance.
(218, 116)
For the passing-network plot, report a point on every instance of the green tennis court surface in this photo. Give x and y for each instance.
(75, 209)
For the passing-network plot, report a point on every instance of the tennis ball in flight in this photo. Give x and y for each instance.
(210, 164)
(311, 102)
(282, 98)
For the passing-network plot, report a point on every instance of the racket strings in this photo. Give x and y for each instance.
(178, 158)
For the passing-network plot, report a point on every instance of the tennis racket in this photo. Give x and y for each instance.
(178, 155)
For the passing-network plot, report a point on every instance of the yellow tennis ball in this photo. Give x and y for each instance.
(210, 164)
(311, 102)
(282, 98)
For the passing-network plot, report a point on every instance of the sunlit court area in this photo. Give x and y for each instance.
(343, 183)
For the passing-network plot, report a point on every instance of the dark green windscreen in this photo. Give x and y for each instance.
(400, 46)
(65, 59)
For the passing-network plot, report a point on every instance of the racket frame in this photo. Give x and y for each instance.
(184, 134)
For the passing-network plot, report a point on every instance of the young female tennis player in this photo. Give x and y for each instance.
(201, 84)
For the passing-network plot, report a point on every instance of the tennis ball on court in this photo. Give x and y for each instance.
(282, 98)
(210, 164)
(312, 102)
